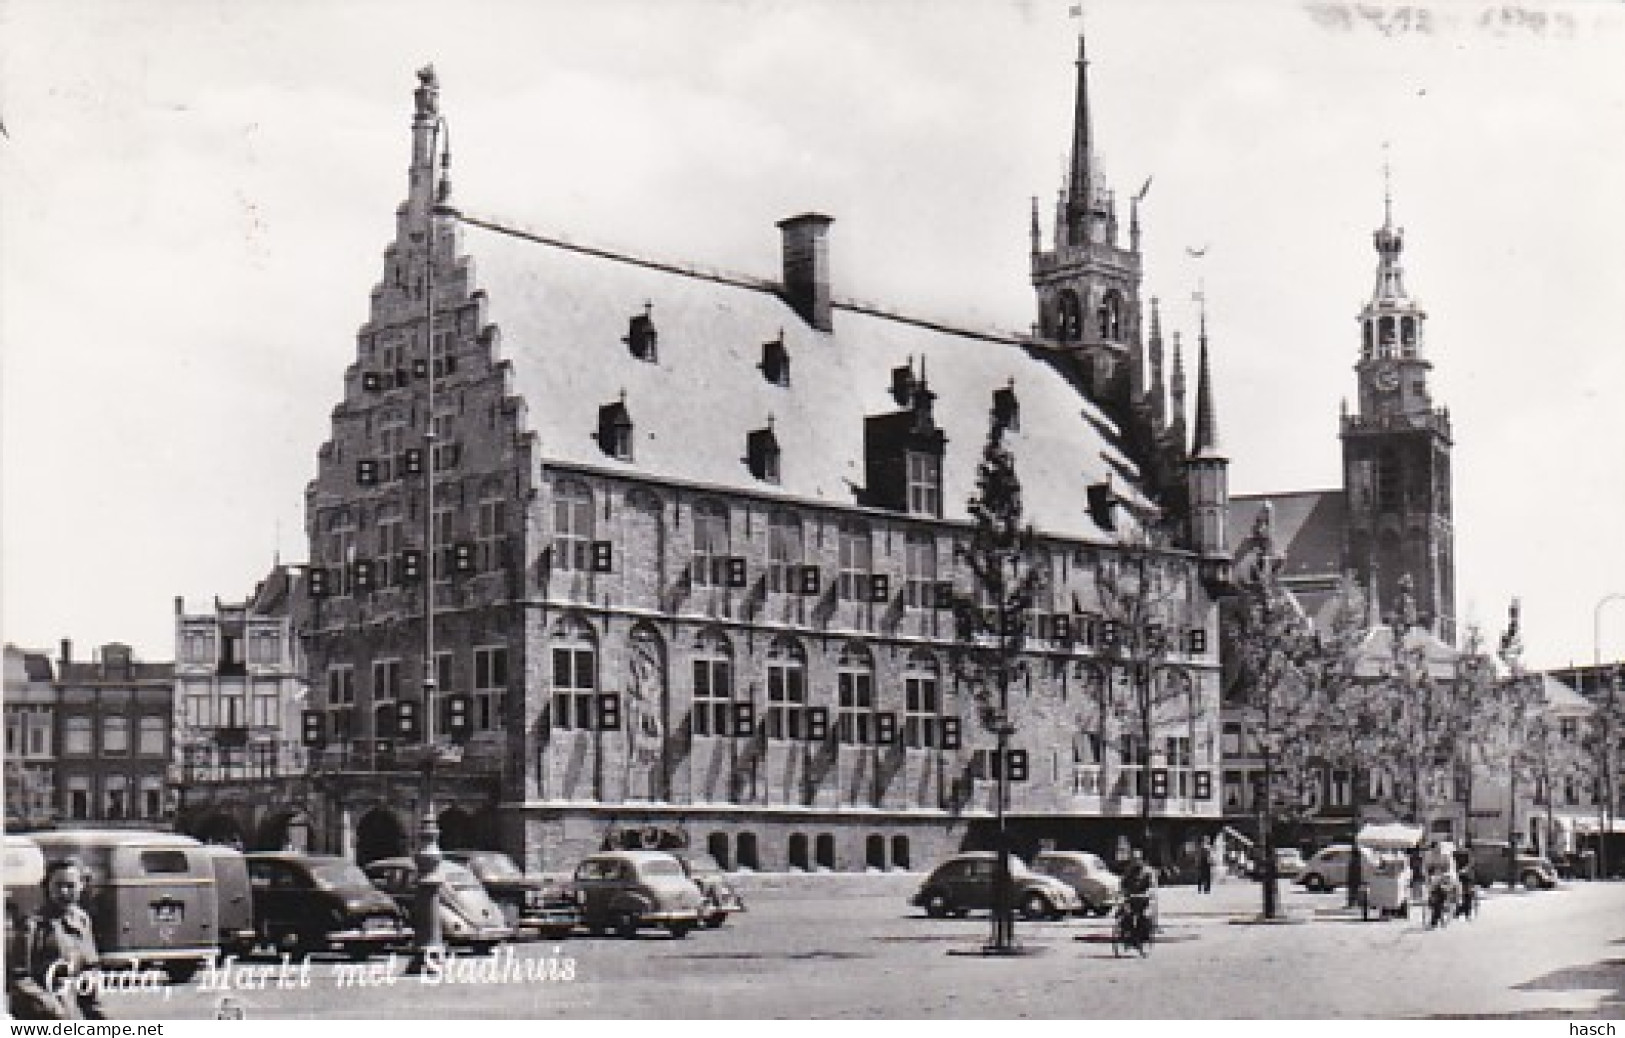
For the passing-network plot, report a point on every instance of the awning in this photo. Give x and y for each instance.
(1390, 837)
(1594, 825)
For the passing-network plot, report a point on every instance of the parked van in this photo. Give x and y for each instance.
(150, 895)
(234, 900)
(21, 875)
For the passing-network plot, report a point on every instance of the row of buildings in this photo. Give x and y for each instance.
(639, 627)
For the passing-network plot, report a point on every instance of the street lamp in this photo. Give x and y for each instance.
(428, 941)
(1516, 704)
(1609, 703)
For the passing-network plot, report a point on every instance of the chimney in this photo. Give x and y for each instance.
(806, 267)
(67, 651)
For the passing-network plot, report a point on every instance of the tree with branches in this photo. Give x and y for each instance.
(1145, 600)
(1347, 711)
(1270, 641)
(990, 628)
(1423, 715)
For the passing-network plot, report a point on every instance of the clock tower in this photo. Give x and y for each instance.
(1396, 452)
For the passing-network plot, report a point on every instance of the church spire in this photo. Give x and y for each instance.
(1206, 443)
(1080, 183)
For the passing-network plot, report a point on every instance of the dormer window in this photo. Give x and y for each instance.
(776, 362)
(924, 483)
(615, 430)
(641, 338)
(1007, 409)
(762, 454)
(903, 450)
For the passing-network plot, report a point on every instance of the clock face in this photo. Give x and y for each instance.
(1387, 378)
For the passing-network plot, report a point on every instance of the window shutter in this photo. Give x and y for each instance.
(744, 718)
(1017, 765)
(885, 728)
(817, 724)
(411, 570)
(879, 588)
(609, 711)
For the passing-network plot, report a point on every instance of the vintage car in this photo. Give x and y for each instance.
(150, 895)
(539, 905)
(311, 903)
(721, 899)
(1095, 884)
(1329, 867)
(468, 916)
(965, 882)
(625, 891)
(1492, 865)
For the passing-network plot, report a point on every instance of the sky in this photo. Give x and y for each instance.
(197, 194)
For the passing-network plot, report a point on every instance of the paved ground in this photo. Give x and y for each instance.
(848, 947)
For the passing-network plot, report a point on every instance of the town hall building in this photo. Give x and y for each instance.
(658, 555)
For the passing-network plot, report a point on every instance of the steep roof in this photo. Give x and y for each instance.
(1308, 525)
(1376, 652)
(562, 312)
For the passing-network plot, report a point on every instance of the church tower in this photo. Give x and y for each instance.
(1396, 451)
(1088, 283)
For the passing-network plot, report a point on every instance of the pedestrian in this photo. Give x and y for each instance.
(1205, 862)
(54, 948)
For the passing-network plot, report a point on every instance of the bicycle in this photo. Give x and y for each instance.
(1133, 930)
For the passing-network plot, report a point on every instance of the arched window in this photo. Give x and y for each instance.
(713, 684)
(855, 686)
(899, 852)
(922, 701)
(1068, 317)
(825, 853)
(575, 675)
(783, 551)
(786, 689)
(856, 560)
(717, 846)
(746, 856)
(798, 851)
(874, 851)
(1110, 316)
(1385, 337)
(1407, 335)
(572, 525)
(1367, 337)
(920, 571)
(710, 568)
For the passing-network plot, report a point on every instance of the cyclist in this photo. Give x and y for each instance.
(1139, 887)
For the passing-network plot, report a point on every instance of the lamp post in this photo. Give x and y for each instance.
(1610, 703)
(1516, 706)
(428, 126)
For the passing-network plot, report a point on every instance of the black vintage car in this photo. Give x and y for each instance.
(310, 903)
(530, 904)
